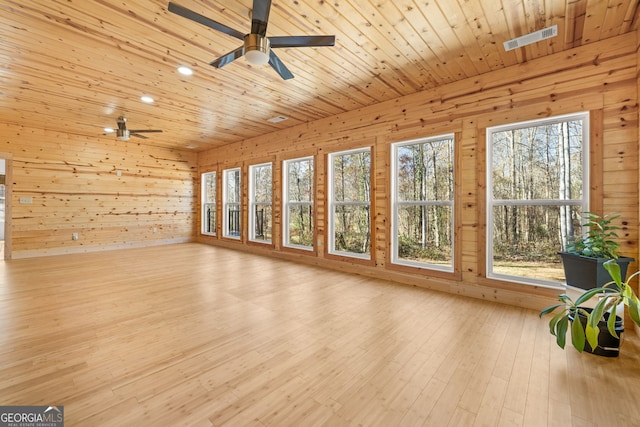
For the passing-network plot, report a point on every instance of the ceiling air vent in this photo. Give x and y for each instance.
(277, 119)
(536, 36)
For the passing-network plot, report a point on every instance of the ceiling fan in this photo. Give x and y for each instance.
(123, 134)
(257, 46)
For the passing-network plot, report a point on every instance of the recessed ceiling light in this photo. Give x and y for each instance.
(146, 99)
(185, 71)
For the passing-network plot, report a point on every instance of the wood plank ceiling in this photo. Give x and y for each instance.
(74, 66)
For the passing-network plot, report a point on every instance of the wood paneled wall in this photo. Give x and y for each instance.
(114, 194)
(600, 77)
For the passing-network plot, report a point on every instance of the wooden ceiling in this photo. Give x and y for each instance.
(74, 66)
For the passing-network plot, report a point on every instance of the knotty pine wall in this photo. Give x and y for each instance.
(601, 78)
(74, 186)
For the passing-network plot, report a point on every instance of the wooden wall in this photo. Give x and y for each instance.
(75, 187)
(600, 78)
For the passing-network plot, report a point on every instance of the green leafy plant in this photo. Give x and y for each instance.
(599, 241)
(610, 297)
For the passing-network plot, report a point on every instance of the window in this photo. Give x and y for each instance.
(232, 196)
(209, 203)
(422, 203)
(537, 190)
(260, 209)
(349, 203)
(298, 203)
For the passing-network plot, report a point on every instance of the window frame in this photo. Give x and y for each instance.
(331, 205)
(287, 203)
(583, 202)
(226, 203)
(395, 204)
(204, 204)
(253, 204)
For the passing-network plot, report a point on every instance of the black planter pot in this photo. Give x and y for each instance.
(588, 273)
(608, 345)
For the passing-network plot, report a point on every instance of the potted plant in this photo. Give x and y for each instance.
(585, 254)
(595, 329)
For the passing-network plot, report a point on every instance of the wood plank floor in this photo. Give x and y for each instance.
(191, 334)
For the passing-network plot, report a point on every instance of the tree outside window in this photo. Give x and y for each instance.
(232, 192)
(349, 203)
(537, 192)
(209, 203)
(260, 205)
(298, 203)
(422, 203)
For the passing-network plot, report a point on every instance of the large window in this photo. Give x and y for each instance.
(422, 203)
(260, 209)
(349, 203)
(232, 192)
(209, 203)
(298, 203)
(537, 191)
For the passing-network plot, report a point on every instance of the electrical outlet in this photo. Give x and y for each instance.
(26, 200)
(74, 236)
(155, 229)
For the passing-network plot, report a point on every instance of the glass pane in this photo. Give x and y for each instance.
(262, 223)
(233, 220)
(538, 162)
(301, 225)
(526, 239)
(262, 184)
(209, 218)
(233, 185)
(209, 187)
(425, 171)
(352, 232)
(424, 234)
(352, 177)
(300, 180)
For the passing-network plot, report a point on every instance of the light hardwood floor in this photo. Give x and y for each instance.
(191, 334)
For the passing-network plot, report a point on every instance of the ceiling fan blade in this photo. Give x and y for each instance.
(301, 41)
(196, 17)
(145, 131)
(138, 136)
(260, 16)
(279, 66)
(229, 57)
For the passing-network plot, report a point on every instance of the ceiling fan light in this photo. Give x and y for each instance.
(123, 134)
(256, 57)
(256, 49)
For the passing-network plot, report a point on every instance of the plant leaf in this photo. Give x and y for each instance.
(554, 321)
(550, 309)
(577, 334)
(614, 271)
(598, 311)
(561, 331)
(565, 299)
(611, 322)
(634, 309)
(592, 334)
(588, 295)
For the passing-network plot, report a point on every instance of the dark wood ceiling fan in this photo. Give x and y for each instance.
(256, 45)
